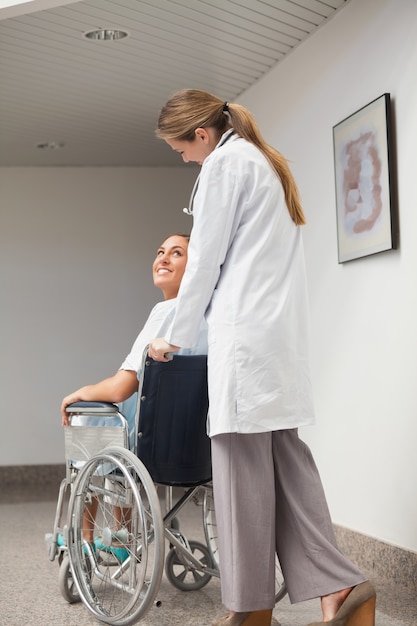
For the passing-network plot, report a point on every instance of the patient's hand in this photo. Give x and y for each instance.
(73, 397)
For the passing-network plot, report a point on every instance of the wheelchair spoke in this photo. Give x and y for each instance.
(119, 575)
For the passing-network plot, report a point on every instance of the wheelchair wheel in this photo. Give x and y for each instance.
(182, 573)
(210, 525)
(66, 582)
(280, 588)
(119, 576)
(210, 531)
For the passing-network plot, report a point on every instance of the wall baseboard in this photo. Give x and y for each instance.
(378, 559)
(30, 482)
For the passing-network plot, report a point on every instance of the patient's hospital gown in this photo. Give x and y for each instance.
(156, 325)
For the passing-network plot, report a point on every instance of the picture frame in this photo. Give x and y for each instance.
(366, 219)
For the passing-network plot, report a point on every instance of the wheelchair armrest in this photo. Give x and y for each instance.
(92, 407)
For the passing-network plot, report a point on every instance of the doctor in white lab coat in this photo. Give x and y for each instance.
(246, 275)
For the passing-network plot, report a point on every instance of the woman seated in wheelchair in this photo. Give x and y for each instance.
(121, 388)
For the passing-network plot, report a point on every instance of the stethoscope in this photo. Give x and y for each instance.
(190, 209)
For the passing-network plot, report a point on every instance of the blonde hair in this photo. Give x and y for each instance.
(190, 109)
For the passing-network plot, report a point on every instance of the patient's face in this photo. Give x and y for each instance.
(169, 265)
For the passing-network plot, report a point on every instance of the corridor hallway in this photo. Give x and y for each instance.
(30, 596)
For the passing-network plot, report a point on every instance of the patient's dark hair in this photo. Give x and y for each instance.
(187, 237)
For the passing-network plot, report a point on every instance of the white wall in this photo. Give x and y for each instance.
(363, 313)
(67, 314)
(76, 251)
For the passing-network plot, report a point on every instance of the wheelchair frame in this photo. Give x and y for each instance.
(118, 576)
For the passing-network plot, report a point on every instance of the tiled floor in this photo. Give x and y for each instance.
(29, 593)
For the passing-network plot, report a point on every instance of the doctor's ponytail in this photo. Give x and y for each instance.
(190, 109)
(245, 126)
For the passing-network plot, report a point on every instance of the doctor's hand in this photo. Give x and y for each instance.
(159, 348)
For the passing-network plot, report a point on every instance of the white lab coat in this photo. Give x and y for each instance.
(245, 273)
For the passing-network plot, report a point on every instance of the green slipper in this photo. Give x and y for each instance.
(121, 554)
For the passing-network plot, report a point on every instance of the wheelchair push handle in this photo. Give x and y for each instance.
(168, 355)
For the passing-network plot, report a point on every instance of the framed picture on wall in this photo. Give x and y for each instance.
(366, 221)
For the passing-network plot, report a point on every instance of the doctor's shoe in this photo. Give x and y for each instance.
(253, 618)
(357, 610)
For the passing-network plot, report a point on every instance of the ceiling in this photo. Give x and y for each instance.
(96, 103)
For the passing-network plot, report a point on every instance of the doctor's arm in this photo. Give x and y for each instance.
(159, 348)
(215, 223)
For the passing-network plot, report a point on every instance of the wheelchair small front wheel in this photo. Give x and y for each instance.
(182, 573)
(66, 582)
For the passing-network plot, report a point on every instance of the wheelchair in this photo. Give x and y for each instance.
(116, 492)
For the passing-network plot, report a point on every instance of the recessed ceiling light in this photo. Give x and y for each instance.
(50, 145)
(106, 34)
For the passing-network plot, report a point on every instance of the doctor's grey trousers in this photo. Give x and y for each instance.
(269, 498)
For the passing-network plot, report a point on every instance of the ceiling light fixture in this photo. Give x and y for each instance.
(106, 34)
(50, 145)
